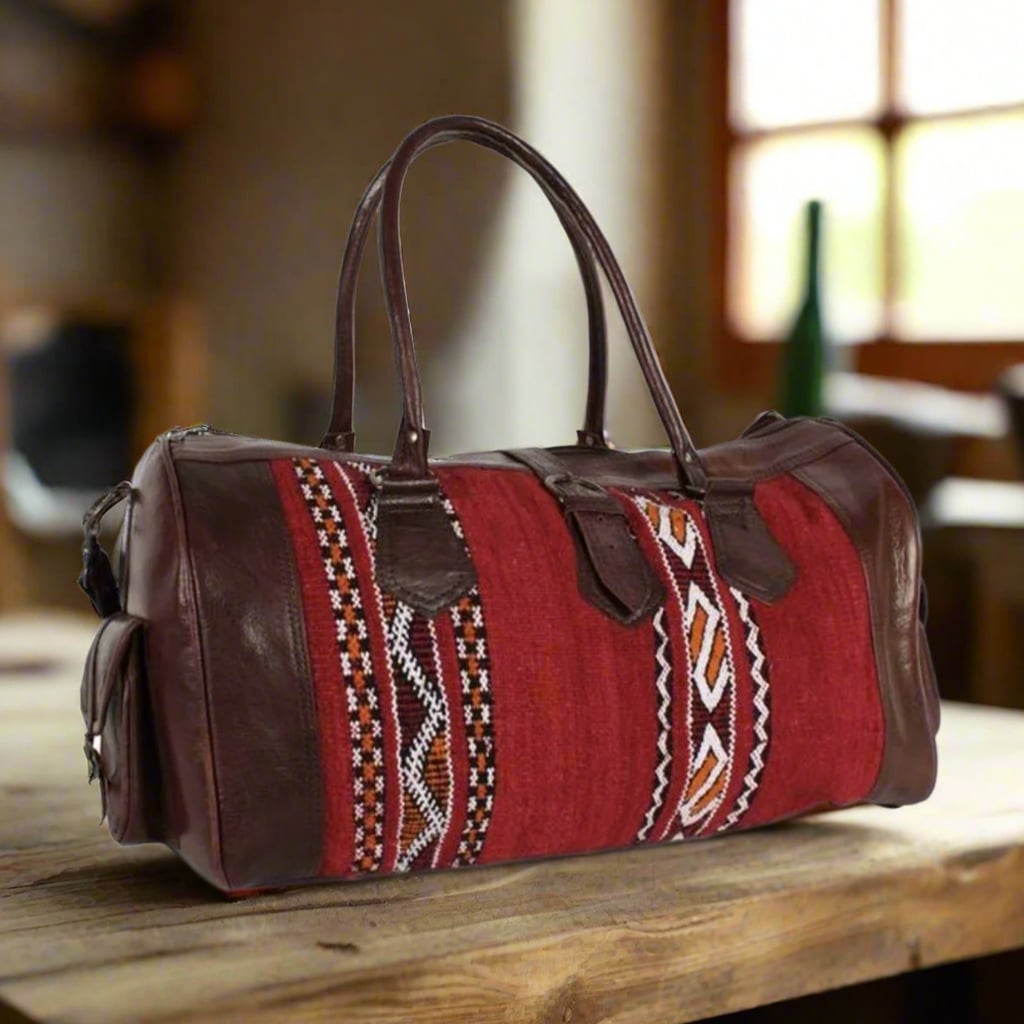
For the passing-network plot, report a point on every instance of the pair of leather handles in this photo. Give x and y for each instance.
(589, 243)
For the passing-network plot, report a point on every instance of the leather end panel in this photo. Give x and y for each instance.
(882, 524)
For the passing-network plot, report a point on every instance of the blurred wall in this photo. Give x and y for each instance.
(73, 220)
(585, 92)
(686, 269)
(300, 105)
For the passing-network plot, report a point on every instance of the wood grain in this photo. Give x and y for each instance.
(91, 932)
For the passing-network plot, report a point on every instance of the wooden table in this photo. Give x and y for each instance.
(91, 932)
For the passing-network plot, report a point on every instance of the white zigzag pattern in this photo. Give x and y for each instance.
(688, 548)
(710, 691)
(667, 541)
(728, 668)
(663, 682)
(431, 697)
(753, 777)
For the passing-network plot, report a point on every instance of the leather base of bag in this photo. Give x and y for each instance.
(307, 725)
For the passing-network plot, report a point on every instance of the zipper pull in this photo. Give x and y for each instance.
(177, 433)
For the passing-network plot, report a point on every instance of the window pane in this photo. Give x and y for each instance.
(772, 181)
(961, 222)
(800, 61)
(957, 54)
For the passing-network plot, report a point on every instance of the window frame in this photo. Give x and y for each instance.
(745, 364)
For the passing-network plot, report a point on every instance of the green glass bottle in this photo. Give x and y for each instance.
(803, 357)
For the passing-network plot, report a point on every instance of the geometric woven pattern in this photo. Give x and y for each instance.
(474, 659)
(711, 696)
(409, 698)
(762, 710)
(421, 711)
(424, 743)
(474, 675)
(413, 682)
(353, 646)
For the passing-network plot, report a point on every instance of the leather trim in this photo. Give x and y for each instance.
(258, 682)
(750, 458)
(882, 524)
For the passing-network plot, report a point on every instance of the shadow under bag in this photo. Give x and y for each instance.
(324, 665)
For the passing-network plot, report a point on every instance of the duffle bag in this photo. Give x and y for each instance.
(316, 664)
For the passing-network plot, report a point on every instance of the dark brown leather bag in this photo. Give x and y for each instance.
(318, 664)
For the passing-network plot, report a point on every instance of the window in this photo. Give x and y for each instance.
(906, 118)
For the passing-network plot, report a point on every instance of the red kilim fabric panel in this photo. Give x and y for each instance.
(524, 722)
(826, 740)
(351, 647)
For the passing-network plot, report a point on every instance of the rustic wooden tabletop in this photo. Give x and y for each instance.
(92, 932)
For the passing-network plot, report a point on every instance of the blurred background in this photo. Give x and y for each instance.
(176, 180)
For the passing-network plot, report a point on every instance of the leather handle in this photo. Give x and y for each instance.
(97, 578)
(340, 434)
(410, 457)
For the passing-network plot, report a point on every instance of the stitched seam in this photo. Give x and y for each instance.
(129, 746)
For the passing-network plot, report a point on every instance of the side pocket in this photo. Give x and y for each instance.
(118, 730)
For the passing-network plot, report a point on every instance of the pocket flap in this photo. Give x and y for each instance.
(118, 730)
(106, 664)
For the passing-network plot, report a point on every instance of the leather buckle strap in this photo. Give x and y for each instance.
(577, 493)
(612, 572)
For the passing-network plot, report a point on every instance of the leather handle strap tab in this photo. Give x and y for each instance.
(611, 570)
(410, 457)
(340, 434)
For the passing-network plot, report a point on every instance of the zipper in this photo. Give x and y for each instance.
(196, 430)
(766, 423)
(214, 444)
